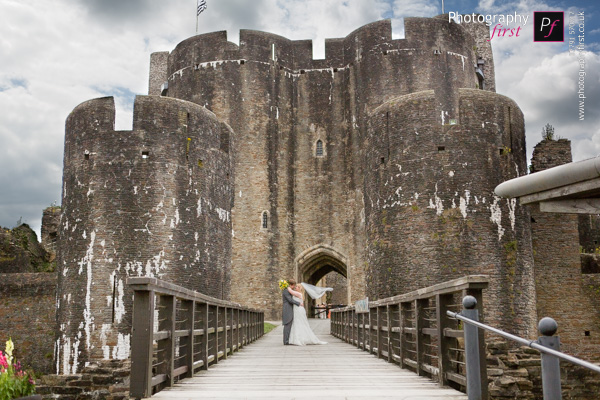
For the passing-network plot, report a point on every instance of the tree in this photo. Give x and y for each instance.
(548, 132)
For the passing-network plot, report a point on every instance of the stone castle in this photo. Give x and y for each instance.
(248, 164)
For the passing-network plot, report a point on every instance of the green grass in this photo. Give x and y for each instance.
(269, 327)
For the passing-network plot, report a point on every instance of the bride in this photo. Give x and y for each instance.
(301, 334)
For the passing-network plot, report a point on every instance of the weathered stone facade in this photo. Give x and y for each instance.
(154, 201)
(589, 233)
(516, 373)
(562, 292)
(27, 315)
(284, 107)
(431, 212)
(50, 225)
(20, 251)
(377, 163)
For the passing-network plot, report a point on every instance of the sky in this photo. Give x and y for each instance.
(56, 54)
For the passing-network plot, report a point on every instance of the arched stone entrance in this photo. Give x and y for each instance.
(316, 262)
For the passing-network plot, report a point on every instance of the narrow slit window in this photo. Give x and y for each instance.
(145, 154)
(319, 148)
(265, 220)
(441, 148)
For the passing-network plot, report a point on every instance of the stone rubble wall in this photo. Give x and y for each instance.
(28, 315)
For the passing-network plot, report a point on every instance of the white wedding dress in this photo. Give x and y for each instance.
(301, 334)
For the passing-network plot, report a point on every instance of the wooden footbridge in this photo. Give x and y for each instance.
(403, 348)
(268, 370)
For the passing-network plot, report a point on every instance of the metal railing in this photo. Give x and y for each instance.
(414, 331)
(177, 331)
(548, 345)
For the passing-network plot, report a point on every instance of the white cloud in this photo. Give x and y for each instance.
(542, 79)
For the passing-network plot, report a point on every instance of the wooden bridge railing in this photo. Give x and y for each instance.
(413, 330)
(177, 331)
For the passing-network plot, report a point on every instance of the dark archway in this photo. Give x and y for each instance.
(316, 262)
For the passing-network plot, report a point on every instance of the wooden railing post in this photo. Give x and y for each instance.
(205, 343)
(166, 348)
(379, 330)
(364, 330)
(141, 344)
(443, 301)
(389, 334)
(237, 329)
(404, 309)
(187, 342)
(226, 334)
(419, 324)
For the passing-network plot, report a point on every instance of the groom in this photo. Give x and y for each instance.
(288, 311)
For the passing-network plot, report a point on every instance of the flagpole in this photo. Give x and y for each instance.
(196, 12)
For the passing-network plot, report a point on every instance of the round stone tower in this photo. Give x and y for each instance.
(154, 201)
(430, 209)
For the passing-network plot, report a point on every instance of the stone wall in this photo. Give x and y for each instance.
(430, 207)
(154, 201)
(515, 373)
(561, 291)
(340, 288)
(27, 315)
(589, 233)
(50, 224)
(20, 251)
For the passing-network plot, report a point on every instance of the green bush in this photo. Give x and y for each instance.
(14, 382)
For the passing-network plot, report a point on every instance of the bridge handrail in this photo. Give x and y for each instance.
(176, 331)
(530, 343)
(548, 345)
(414, 331)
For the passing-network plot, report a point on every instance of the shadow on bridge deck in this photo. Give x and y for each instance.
(268, 370)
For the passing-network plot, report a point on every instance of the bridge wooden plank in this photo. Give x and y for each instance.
(268, 370)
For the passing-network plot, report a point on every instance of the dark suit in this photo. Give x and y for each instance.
(287, 314)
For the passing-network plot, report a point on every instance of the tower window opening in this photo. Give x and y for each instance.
(382, 160)
(587, 333)
(319, 150)
(302, 71)
(265, 220)
(441, 148)
(242, 62)
(200, 163)
(86, 155)
(145, 154)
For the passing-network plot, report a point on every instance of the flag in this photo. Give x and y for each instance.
(201, 7)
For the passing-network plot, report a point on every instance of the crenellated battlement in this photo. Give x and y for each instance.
(424, 39)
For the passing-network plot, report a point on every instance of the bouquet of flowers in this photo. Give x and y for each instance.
(283, 284)
(14, 382)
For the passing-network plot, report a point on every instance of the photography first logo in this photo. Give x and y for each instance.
(548, 26)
